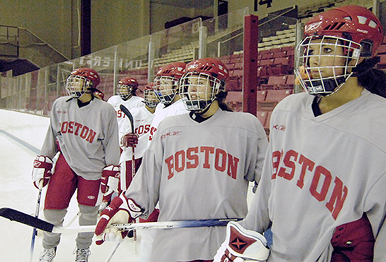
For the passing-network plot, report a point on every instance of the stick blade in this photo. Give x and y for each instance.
(129, 115)
(15, 215)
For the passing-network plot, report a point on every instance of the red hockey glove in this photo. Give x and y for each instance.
(109, 180)
(121, 210)
(41, 172)
(242, 245)
(129, 140)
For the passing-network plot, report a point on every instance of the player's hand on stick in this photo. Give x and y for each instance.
(121, 210)
(129, 140)
(242, 245)
(41, 172)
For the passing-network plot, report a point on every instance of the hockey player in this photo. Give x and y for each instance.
(143, 117)
(166, 87)
(323, 182)
(126, 95)
(84, 132)
(198, 166)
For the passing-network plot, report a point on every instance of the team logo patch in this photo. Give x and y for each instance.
(90, 197)
(238, 244)
(280, 127)
(37, 163)
(171, 133)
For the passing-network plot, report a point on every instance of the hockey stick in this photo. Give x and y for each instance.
(34, 231)
(15, 215)
(130, 116)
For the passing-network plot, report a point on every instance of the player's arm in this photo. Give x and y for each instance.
(376, 214)
(257, 218)
(42, 165)
(111, 141)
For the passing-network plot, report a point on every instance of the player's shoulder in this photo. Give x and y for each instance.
(62, 101)
(137, 98)
(177, 108)
(114, 99)
(240, 119)
(172, 120)
(294, 101)
(139, 110)
(104, 106)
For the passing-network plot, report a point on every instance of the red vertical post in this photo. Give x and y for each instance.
(251, 39)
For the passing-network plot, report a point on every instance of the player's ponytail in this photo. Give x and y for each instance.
(372, 79)
(220, 97)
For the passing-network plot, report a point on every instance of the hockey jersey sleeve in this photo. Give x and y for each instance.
(111, 141)
(257, 148)
(377, 214)
(257, 218)
(145, 187)
(50, 147)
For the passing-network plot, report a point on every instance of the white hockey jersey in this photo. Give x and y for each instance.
(198, 171)
(319, 173)
(87, 136)
(116, 101)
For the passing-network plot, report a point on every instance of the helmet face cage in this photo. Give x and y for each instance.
(77, 85)
(165, 88)
(199, 90)
(326, 63)
(124, 91)
(150, 99)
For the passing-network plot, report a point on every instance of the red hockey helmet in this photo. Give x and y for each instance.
(126, 87)
(175, 70)
(209, 66)
(81, 80)
(350, 22)
(166, 81)
(348, 33)
(208, 77)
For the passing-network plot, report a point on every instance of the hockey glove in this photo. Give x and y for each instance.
(121, 210)
(109, 180)
(41, 172)
(129, 140)
(242, 245)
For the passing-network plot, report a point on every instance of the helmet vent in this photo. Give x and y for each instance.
(335, 26)
(206, 68)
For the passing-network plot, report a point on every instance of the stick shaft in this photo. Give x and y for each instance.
(29, 220)
(35, 230)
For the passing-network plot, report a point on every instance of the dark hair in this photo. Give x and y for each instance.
(221, 101)
(372, 79)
